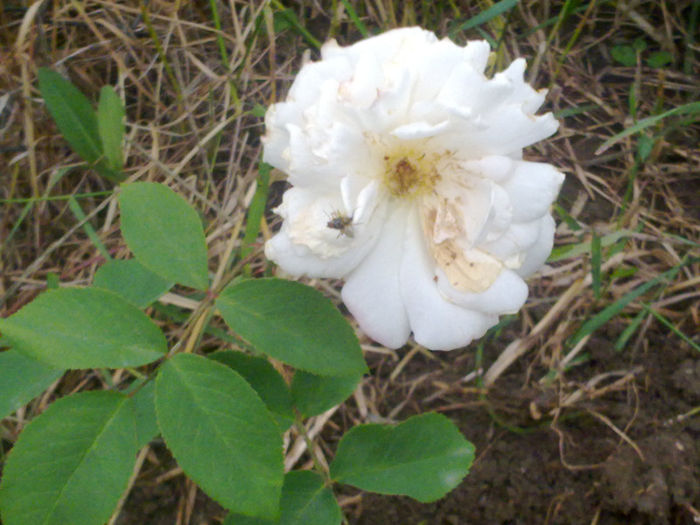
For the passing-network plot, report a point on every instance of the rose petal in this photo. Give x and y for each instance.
(436, 323)
(372, 292)
(505, 296)
(514, 242)
(532, 188)
(477, 54)
(494, 167)
(307, 246)
(419, 130)
(537, 254)
(522, 92)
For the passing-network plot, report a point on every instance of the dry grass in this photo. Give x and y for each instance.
(191, 93)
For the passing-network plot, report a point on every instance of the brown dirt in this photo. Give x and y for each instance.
(576, 470)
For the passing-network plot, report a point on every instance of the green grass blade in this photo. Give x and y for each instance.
(256, 209)
(87, 227)
(495, 10)
(595, 264)
(671, 327)
(629, 330)
(293, 21)
(615, 308)
(362, 28)
(569, 251)
(692, 108)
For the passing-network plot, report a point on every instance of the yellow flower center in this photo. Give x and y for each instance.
(408, 173)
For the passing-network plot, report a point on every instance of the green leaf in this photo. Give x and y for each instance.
(72, 463)
(53, 281)
(424, 457)
(145, 412)
(110, 122)
(293, 323)
(659, 59)
(265, 380)
(639, 45)
(84, 328)
(132, 280)
(73, 114)
(165, 233)
(22, 379)
(76, 119)
(314, 394)
(258, 110)
(305, 501)
(625, 55)
(221, 434)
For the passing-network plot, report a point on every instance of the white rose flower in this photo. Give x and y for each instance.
(408, 183)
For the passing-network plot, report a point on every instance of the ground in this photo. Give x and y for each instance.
(593, 417)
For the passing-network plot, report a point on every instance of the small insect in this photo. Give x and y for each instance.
(342, 223)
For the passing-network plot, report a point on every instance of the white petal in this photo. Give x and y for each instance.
(476, 53)
(276, 138)
(436, 61)
(419, 130)
(513, 244)
(372, 293)
(306, 245)
(305, 168)
(311, 77)
(398, 45)
(505, 296)
(461, 88)
(532, 188)
(523, 93)
(495, 167)
(540, 250)
(436, 323)
(361, 90)
(298, 260)
(467, 206)
(366, 202)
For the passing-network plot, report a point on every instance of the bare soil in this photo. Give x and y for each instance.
(576, 469)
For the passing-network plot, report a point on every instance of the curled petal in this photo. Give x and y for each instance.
(522, 92)
(436, 323)
(537, 254)
(477, 53)
(512, 246)
(506, 295)
(311, 77)
(307, 245)
(532, 188)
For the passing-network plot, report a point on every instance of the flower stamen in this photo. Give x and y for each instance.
(409, 175)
